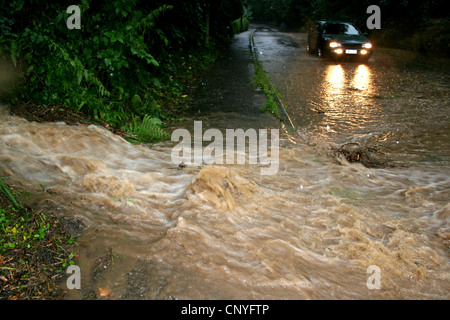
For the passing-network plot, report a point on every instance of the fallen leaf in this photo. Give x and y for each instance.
(104, 291)
(3, 279)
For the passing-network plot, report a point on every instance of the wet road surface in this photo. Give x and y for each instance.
(228, 92)
(397, 100)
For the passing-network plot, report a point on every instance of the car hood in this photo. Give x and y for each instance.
(346, 38)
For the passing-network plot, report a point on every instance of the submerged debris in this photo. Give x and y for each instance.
(357, 152)
(102, 264)
(44, 113)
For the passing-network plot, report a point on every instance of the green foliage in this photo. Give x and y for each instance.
(6, 192)
(33, 247)
(96, 69)
(147, 130)
(126, 50)
(240, 25)
(18, 228)
(262, 81)
(15, 234)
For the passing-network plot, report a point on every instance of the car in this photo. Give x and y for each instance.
(338, 39)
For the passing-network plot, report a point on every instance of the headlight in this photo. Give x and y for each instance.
(334, 44)
(367, 45)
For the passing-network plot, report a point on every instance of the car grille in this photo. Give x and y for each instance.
(352, 45)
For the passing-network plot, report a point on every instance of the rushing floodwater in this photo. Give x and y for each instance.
(226, 232)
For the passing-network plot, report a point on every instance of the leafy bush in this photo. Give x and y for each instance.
(239, 25)
(96, 69)
(435, 38)
(123, 61)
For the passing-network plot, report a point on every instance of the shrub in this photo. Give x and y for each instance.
(127, 51)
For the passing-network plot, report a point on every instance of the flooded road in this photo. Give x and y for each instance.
(315, 230)
(392, 101)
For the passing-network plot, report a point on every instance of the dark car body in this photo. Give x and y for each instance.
(338, 39)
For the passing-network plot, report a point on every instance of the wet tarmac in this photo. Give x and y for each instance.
(399, 100)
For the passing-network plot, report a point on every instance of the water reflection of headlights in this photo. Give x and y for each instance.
(362, 78)
(335, 77)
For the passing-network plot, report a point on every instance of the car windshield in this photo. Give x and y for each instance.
(340, 28)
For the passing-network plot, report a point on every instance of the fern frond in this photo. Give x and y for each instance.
(78, 67)
(146, 130)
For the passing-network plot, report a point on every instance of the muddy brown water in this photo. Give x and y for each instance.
(226, 232)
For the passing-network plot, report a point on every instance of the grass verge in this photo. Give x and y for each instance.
(35, 251)
(262, 81)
